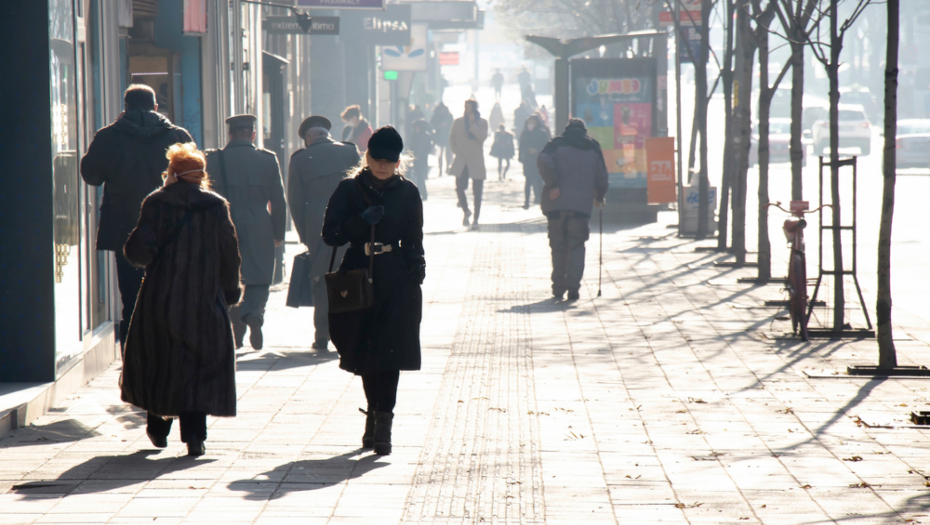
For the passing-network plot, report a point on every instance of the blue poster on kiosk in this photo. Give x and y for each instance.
(616, 99)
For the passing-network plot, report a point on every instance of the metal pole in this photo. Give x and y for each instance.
(561, 94)
(681, 189)
(600, 251)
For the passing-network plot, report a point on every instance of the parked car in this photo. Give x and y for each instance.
(779, 142)
(854, 127)
(863, 97)
(913, 143)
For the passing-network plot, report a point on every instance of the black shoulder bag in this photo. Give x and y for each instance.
(353, 290)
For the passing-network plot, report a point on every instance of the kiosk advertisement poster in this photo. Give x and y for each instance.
(615, 98)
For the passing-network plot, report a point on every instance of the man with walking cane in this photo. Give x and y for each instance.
(575, 176)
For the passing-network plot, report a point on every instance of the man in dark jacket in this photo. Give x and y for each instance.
(575, 174)
(250, 179)
(128, 158)
(313, 176)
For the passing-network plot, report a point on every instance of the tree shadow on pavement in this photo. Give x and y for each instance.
(307, 474)
(106, 473)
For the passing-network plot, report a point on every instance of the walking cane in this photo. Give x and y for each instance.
(600, 251)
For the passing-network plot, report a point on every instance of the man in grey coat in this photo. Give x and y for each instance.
(250, 179)
(313, 175)
(575, 174)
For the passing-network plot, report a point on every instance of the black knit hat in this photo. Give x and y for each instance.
(386, 144)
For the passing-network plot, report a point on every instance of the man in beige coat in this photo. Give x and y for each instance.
(466, 140)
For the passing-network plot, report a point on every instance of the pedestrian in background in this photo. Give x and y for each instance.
(520, 115)
(467, 143)
(496, 119)
(179, 359)
(379, 342)
(442, 123)
(313, 175)
(573, 168)
(250, 180)
(497, 80)
(502, 149)
(128, 158)
(357, 129)
(421, 144)
(533, 139)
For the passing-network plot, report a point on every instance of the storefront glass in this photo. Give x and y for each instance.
(64, 146)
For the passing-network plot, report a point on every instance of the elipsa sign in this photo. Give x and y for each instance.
(388, 28)
(287, 25)
(342, 4)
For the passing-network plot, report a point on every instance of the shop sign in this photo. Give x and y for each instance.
(342, 4)
(407, 58)
(449, 58)
(660, 179)
(288, 25)
(388, 28)
(689, 14)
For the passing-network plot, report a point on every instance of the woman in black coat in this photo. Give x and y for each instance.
(179, 359)
(379, 342)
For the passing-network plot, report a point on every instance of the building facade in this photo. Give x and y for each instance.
(66, 64)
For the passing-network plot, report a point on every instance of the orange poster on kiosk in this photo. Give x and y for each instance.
(660, 178)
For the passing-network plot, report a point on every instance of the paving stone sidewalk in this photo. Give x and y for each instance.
(673, 398)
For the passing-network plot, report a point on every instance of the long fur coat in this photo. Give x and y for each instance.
(180, 354)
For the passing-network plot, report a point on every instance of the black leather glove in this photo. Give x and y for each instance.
(373, 214)
(418, 274)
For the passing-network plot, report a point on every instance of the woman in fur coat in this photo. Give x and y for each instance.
(179, 359)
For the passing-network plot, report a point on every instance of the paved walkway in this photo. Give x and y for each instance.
(674, 398)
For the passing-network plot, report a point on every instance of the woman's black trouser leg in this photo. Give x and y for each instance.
(193, 425)
(157, 426)
(381, 390)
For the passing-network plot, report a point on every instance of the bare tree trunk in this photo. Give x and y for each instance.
(765, 103)
(836, 45)
(727, 75)
(887, 357)
(742, 121)
(700, 110)
(692, 150)
(796, 147)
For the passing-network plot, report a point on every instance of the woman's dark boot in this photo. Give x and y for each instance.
(368, 438)
(383, 423)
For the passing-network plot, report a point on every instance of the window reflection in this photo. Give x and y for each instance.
(63, 94)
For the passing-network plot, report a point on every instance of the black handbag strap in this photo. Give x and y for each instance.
(371, 246)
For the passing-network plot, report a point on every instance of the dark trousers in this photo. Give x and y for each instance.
(129, 279)
(568, 232)
(193, 424)
(477, 189)
(533, 183)
(381, 390)
(320, 311)
(254, 299)
(501, 170)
